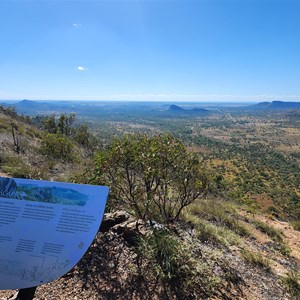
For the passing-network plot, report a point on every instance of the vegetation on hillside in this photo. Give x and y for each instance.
(196, 234)
(43, 147)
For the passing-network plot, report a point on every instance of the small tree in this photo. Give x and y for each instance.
(57, 146)
(155, 177)
(49, 124)
(65, 123)
(62, 125)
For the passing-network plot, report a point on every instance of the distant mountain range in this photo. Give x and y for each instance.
(105, 108)
(275, 105)
(30, 107)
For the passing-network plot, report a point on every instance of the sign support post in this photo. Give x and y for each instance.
(26, 294)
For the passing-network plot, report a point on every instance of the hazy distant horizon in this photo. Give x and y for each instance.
(243, 102)
(184, 102)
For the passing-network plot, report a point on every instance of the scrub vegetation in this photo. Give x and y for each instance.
(209, 198)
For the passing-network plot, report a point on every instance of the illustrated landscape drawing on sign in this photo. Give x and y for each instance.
(45, 228)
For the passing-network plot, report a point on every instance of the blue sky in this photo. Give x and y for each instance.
(150, 50)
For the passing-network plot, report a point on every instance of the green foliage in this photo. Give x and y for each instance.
(64, 124)
(61, 125)
(291, 282)
(209, 232)
(284, 249)
(221, 213)
(255, 169)
(15, 166)
(216, 221)
(169, 254)
(81, 136)
(9, 111)
(154, 177)
(256, 259)
(84, 138)
(175, 265)
(49, 124)
(57, 146)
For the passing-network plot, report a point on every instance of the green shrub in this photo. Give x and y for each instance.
(291, 282)
(15, 166)
(284, 249)
(155, 177)
(175, 266)
(171, 258)
(58, 146)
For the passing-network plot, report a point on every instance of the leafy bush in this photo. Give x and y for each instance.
(155, 177)
(57, 146)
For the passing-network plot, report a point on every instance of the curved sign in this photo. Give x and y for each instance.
(45, 228)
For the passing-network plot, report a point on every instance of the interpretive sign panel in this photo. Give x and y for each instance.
(45, 228)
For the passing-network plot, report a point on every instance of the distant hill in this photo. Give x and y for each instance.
(178, 109)
(275, 105)
(26, 102)
(199, 110)
(174, 107)
(30, 107)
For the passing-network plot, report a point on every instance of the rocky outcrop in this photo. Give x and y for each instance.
(121, 223)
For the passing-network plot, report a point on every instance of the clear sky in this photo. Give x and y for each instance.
(150, 50)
